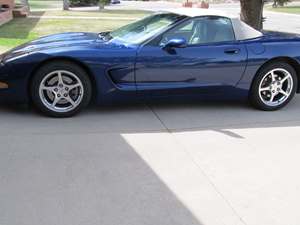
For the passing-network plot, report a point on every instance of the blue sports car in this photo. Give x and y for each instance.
(189, 53)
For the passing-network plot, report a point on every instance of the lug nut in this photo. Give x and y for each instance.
(65, 95)
(56, 90)
(66, 89)
(58, 95)
(60, 85)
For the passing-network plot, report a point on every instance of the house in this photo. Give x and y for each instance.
(6, 10)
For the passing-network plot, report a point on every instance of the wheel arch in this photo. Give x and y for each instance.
(64, 59)
(292, 62)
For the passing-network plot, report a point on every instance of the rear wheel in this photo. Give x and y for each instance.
(274, 87)
(61, 89)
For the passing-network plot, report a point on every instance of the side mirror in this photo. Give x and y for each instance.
(175, 43)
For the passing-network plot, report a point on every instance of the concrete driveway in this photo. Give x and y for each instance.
(164, 164)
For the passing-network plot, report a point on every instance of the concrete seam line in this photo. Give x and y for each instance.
(208, 179)
(199, 167)
(160, 120)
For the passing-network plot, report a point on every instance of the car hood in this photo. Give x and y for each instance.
(59, 42)
(55, 41)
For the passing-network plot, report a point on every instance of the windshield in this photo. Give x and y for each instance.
(138, 32)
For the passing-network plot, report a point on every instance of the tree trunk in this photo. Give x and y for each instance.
(26, 4)
(252, 13)
(101, 5)
(66, 4)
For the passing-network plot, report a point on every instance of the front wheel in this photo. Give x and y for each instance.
(61, 89)
(274, 87)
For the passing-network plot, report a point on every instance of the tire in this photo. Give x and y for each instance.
(274, 86)
(60, 89)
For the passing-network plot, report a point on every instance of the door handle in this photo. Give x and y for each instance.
(232, 51)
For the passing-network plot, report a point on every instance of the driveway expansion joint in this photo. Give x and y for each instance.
(187, 152)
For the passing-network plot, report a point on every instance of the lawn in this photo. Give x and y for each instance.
(132, 14)
(44, 4)
(286, 9)
(22, 30)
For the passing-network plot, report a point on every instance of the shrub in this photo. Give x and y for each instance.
(280, 3)
(83, 3)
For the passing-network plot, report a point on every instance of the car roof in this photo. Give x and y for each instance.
(195, 12)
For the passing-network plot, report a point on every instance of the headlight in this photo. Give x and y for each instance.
(11, 56)
(14, 57)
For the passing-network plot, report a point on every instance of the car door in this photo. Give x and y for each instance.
(211, 61)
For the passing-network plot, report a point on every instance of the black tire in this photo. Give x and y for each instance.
(254, 97)
(48, 68)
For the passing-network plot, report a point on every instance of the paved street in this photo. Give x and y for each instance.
(274, 21)
(220, 163)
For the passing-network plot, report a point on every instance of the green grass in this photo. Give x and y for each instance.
(105, 13)
(44, 4)
(22, 30)
(286, 9)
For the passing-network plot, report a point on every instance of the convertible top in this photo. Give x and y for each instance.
(195, 12)
(242, 30)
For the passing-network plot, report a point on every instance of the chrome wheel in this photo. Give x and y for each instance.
(276, 87)
(61, 91)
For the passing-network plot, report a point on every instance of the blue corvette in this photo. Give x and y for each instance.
(178, 53)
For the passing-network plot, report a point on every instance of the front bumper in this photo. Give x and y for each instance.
(13, 94)
(11, 90)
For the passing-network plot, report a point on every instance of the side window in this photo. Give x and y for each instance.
(203, 30)
(187, 27)
(184, 30)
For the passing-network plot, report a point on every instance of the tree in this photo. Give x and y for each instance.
(66, 4)
(26, 4)
(252, 13)
(102, 4)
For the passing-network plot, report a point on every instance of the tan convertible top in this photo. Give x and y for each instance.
(242, 30)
